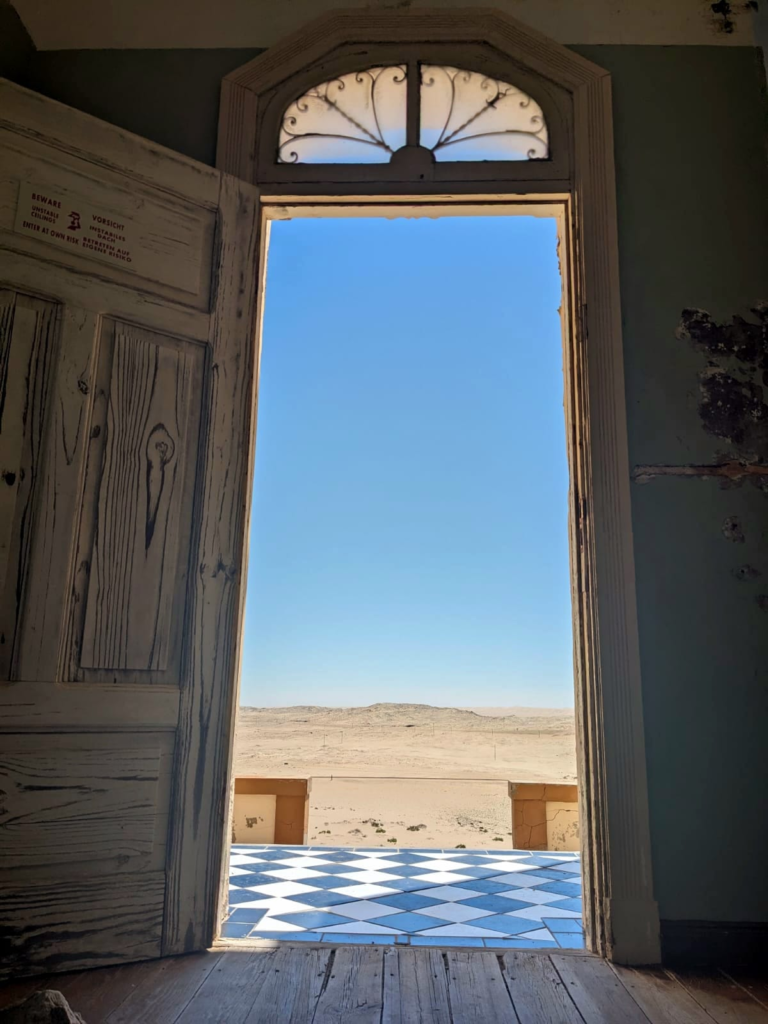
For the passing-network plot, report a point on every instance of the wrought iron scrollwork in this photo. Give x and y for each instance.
(362, 118)
(469, 116)
(356, 118)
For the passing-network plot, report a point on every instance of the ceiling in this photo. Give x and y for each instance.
(177, 24)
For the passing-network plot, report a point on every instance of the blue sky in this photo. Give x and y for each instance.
(409, 527)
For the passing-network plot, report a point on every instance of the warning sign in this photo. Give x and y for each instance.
(73, 224)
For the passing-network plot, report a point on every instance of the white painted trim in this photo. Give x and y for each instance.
(621, 915)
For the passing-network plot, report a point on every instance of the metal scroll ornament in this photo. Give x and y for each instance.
(362, 118)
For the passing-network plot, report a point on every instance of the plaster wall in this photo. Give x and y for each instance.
(693, 221)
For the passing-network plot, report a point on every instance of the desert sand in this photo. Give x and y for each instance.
(409, 774)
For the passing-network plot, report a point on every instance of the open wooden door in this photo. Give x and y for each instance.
(127, 294)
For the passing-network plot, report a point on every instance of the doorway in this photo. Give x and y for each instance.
(408, 582)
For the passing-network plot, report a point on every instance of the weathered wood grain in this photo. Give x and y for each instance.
(415, 987)
(725, 1001)
(537, 993)
(597, 992)
(209, 699)
(353, 993)
(82, 922)
(292, 986)
(27, 357)
(165, 990)
(661, 996)
(144, 476)
(30, 114)
(230, 989)
(64, 806)
(476, 988)
(40, 641)
(95, 993)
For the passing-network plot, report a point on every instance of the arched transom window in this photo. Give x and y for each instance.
(457, 115)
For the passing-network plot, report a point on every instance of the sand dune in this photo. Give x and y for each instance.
(398, 749)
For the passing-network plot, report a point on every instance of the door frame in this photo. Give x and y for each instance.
(621, 915)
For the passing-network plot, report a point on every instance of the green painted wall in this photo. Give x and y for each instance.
(693, 218)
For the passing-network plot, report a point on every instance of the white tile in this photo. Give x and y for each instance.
(371, 864)
(513, 865)
(521, 881)
(245, 858)
(293, 874)
(302, 862)
(440, 877)
(441, 865)
(273, 924)
(532, 896)
(278, 905)
(233, 872)
(463, 931)
(281, 889)
(540, 934)
(541, 911)
(364, 891)
(363, 910)
(371, 876)
(359, 928)
(454, 912)
(449, 893)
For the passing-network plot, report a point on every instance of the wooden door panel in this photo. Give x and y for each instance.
(53, 206)
(133, 555)
(80, 804)
(79, 922)
(126, 403)
(27, 354)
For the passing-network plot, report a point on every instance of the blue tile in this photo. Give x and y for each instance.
(498, 904)
(570, 940)
(243, 896)
(244, 914)
(236, 931)
(337, 856)
(485, 885)
(445, 940)
(411, 885)
(323, 881)
(409, 857)
(479, 872)
(562, 888)
(342, 939)
(563, 924)
(506, 924)
(276, 854)
(574, 905)
(409, 921)
(257, 933)
(334, 869)
(241, 881)
(406, 901)
(409, 871)
(553, 876)
(314, 920)
(516, 943)
(322, 898)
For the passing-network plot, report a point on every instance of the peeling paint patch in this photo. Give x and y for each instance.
(732, 387)
(744, 573)
(732, 530)
(725, 13)
(730, 473)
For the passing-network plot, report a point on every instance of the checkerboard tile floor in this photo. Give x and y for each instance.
(510, 899)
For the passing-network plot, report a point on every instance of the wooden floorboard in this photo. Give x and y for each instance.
(724, 1000)
(416, 987)
(377, 985)
(661, 996)
(538, 994)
